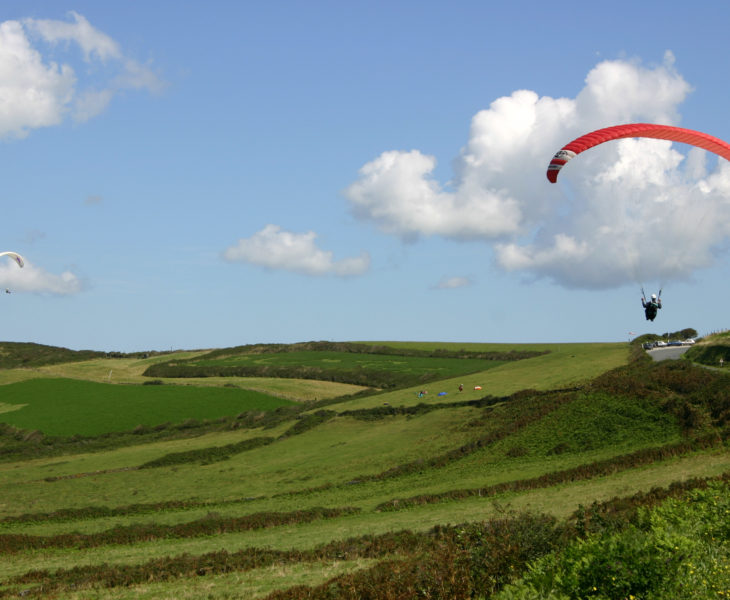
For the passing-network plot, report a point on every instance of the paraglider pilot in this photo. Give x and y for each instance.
(651, 307)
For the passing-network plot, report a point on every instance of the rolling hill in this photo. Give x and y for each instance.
(348, 492)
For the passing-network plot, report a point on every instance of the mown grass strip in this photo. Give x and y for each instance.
(103, 512)
(368, 546)
(492, 552)
(588, 471)
(531, 413)
(481, 561)
(132, 534)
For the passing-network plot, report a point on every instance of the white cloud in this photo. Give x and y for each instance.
(396, 191)
(452, 283)
(39, 92)
(93, 43)
(37, 280)
(624, 211)
(33, 94)
(275, 249)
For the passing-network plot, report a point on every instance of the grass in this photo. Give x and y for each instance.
(317, 467)
(564, 365)
(332, 453)
(249, 584)
(560, 501)
(713, 351)
(130, 371)
(356, 364)
(65, 407)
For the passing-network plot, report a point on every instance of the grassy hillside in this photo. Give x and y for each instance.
(15, 354)
(713, 350)
(378, 366)
(337, 497)
(130, 370)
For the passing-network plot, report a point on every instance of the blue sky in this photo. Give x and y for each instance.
(208, 174)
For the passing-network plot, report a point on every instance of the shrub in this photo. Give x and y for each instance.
(675, 550)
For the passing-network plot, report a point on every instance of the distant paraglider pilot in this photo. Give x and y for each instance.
(651, 307)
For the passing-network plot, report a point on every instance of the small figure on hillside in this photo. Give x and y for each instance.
(461, 387)
(651, 307)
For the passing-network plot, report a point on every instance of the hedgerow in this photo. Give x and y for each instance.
(612, 515)
(463, 561)
(309, 421)
(581, 472)
(207, 455)
(98, 512)
(713, 354)
(360, 348)
(526, 414)
(210, 525)
(448, 559)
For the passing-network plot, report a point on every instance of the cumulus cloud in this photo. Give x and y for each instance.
(34, 94)
(275, 249)
(37, 280)
(622, 212)
(40, 92)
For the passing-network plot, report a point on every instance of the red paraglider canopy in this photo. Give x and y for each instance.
(648, 130)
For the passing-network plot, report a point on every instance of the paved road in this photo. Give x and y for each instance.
(668, 352)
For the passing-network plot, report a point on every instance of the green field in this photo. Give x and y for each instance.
(349, 492)
(376, 366)
(64, 407)
(399, 364)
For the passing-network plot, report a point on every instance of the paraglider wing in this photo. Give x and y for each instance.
(649, 130)
(16, 257)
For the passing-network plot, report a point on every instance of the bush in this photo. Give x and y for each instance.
(676, 550)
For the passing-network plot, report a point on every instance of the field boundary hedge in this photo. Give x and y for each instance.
(581, 472)
(207, 455)
(446, 561)
(144, 532)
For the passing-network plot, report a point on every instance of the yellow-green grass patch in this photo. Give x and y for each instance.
(129, 371)
(564, 365)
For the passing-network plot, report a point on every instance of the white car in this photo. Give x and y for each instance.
(661, 344)
(688, 342)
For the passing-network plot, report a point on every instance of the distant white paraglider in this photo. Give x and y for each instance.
(16, 257)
